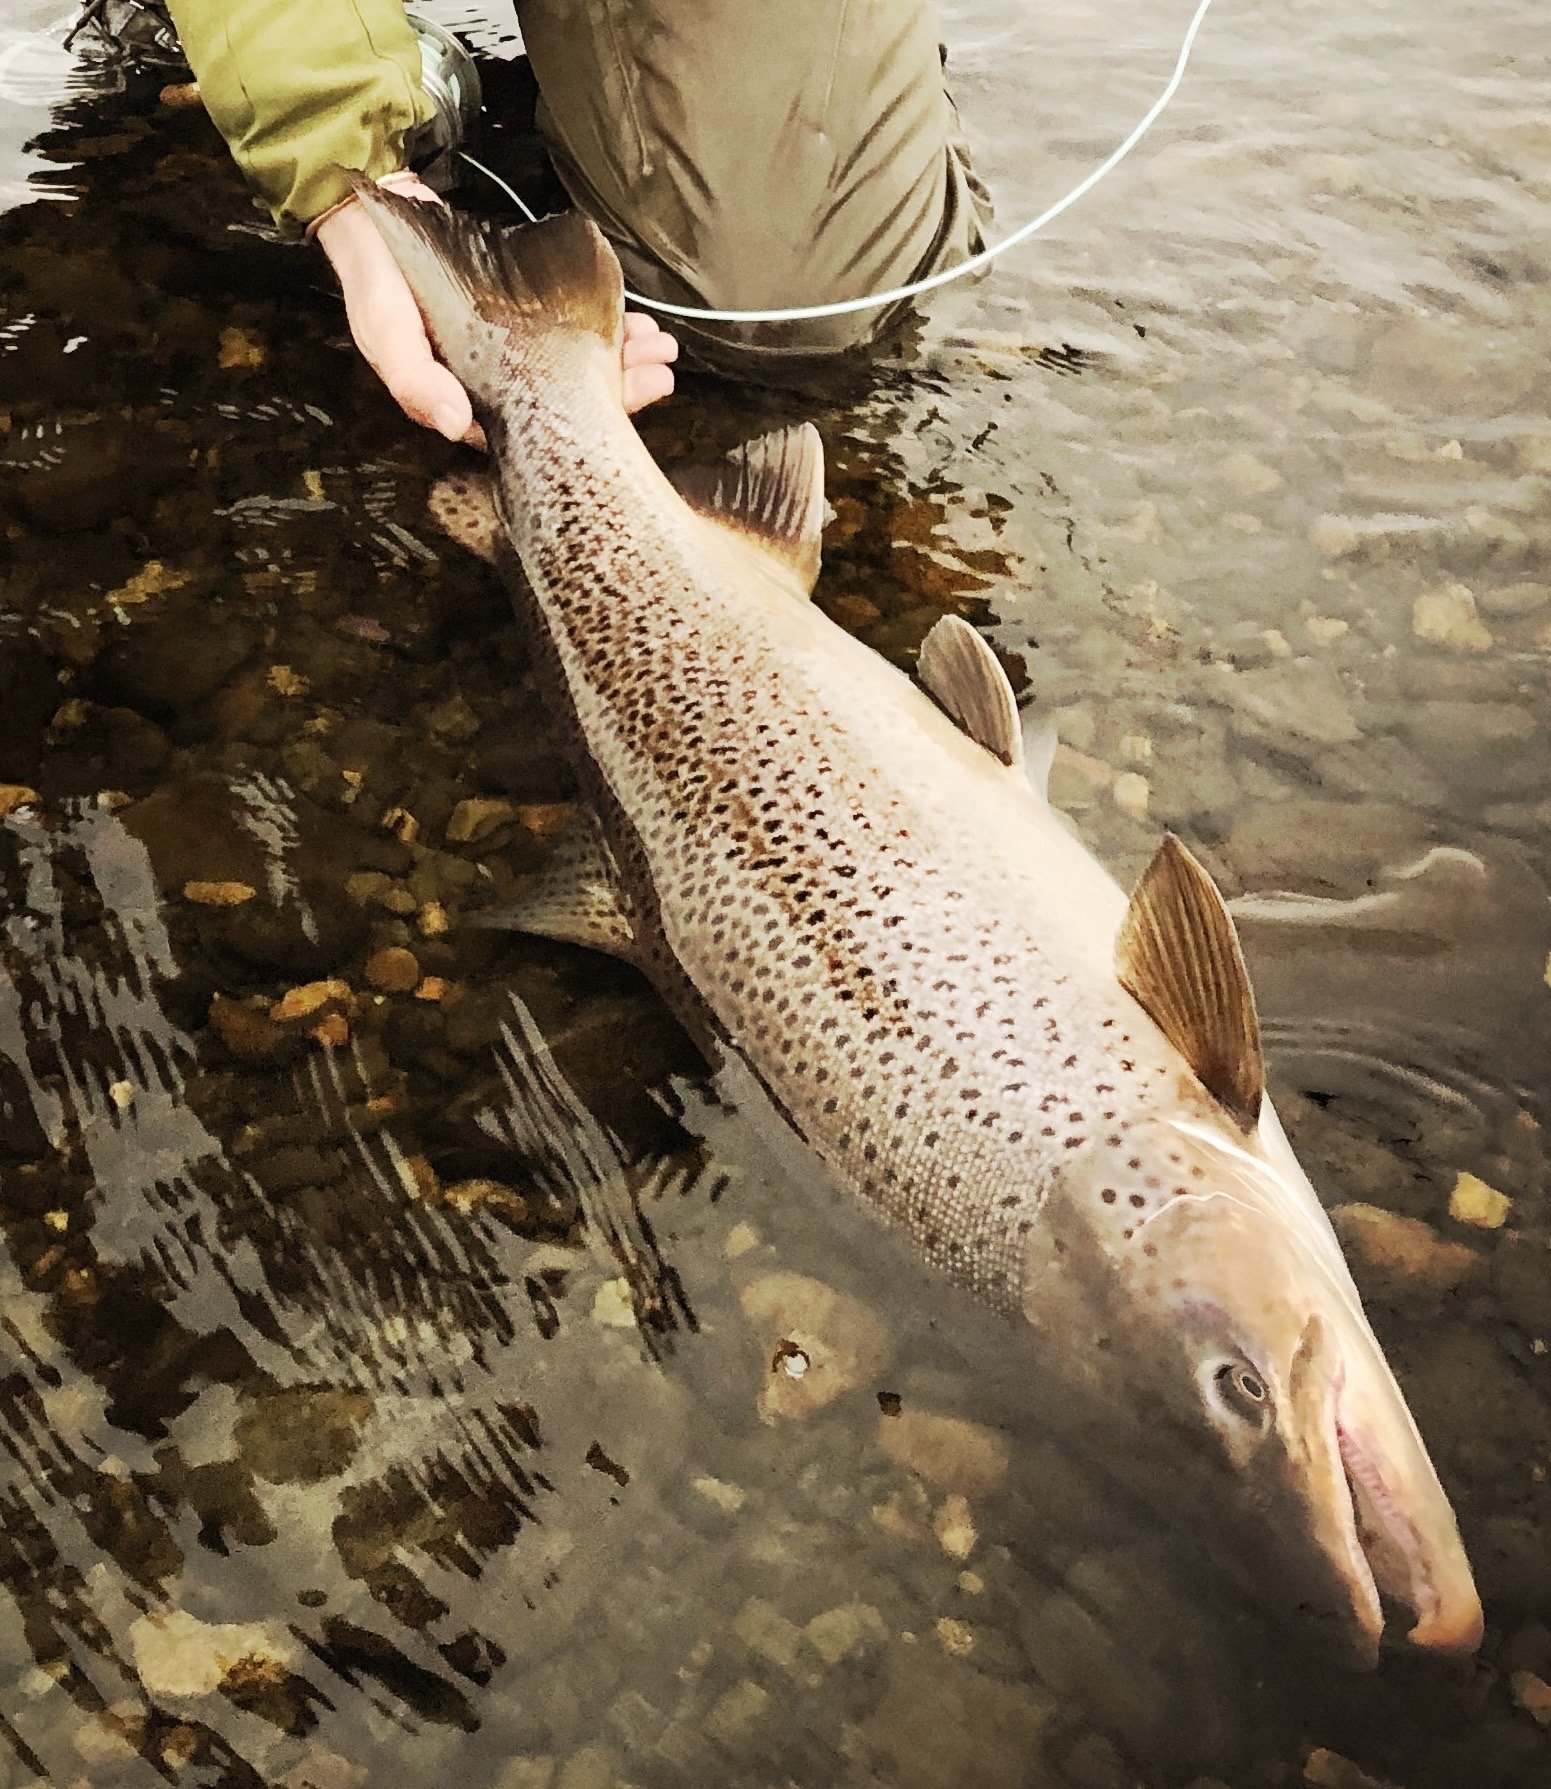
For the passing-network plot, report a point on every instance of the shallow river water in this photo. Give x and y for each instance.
(409, 1371)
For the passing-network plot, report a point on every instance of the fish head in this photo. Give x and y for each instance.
(1222, 1298)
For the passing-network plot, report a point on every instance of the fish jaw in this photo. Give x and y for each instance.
(1401, 1513)
(1378, 1512)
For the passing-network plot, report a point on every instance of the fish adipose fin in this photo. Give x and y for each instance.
(487, 290)
(575, 897)
(965, 676)
(770, 493)
(462, 505)
(1178, 955)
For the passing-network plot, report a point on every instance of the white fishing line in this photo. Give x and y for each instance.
(847, 306)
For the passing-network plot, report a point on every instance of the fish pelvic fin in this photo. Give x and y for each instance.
(576, 897)
(961, 672)
(769, 493)
(1178, 955)
(488, 289)
(1041, 740)
(462, 505)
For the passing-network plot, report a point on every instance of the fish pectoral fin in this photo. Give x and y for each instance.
(769, 493)
(462, 505)
(1179, 956)
(961, 672)
(575, 897)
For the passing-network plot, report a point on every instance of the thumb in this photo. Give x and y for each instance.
(426, 392)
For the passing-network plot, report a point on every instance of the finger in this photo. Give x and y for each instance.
(657, 349)
(647, 385)
(425, 391)
(640, 323)
(390, 333)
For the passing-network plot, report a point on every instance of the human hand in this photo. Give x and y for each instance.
(387, 327)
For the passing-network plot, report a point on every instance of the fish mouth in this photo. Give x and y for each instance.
(1363, 1495)
(1395, 1562)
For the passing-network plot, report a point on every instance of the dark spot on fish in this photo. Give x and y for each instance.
(890, 1403)
(1137, 1200)
(1108, 1195)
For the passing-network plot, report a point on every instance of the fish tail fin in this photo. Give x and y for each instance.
(492, 294)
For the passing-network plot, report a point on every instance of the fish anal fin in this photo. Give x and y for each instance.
(963, 674)
(575, 897)
(769, 493)
(462, 505)
(1178, 955)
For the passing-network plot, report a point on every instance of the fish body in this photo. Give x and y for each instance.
(862, 894)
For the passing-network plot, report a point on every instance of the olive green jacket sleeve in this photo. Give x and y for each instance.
(303, 89)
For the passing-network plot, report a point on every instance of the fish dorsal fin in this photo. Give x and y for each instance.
(965, 676)
(1178, 955)
(770, 492)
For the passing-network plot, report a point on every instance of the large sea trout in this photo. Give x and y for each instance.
(858, 891)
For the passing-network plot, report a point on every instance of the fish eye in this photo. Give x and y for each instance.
(1242, 1389)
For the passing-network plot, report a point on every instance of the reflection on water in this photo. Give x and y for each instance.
(412, 1370)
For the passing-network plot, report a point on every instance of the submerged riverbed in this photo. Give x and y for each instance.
(411, 1373)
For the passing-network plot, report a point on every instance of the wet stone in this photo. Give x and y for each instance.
(954, 1527)
(106, 748)
(116, 469)
(1319, 847)
(1521, 1281)
(1447, 617)
(218, 894)
(771, 1636)
(1527, 1648)
(846, 1632)
(526, 1773)
(1324, 1769)
(736, 1713)
(29, 694)
(179, 1655)
(1474, 1202)
(1299, 698)
(947, 1451)
(476, 817)
(1397, 1254)
(940, 1724)
(177, 658)
(1533, 1694)
(247, 1030)
(818, 1343)
(301, 1435)
(1093, 1762)
(1514, 599)
(393, 970)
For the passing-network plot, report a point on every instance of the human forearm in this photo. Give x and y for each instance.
(302, 89)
